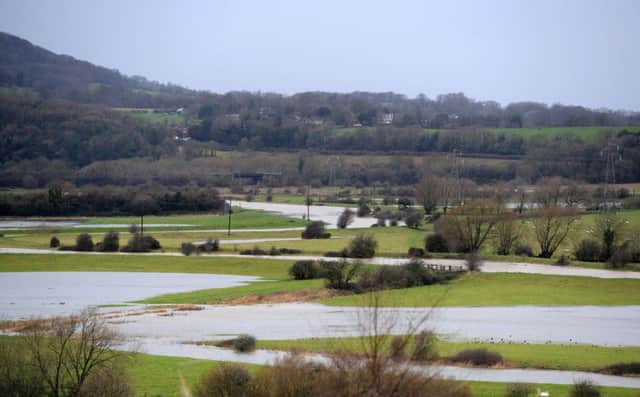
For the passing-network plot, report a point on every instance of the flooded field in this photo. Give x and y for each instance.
(28, 294)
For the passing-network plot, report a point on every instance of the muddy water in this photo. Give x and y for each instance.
(28, 294)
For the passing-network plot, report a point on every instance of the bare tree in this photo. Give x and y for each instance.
(551, 226)
(507, 232)
(67, 351)
(472, 223)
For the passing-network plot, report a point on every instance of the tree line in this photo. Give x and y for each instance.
(64, 200)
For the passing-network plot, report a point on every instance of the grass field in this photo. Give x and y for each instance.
(586, 133)
(508, 289)
(545, 356)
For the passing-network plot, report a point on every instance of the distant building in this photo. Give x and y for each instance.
(386, 118)
(179, 110)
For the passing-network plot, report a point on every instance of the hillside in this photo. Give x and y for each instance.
(30, 70)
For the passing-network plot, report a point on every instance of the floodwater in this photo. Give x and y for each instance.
(605, 326)
(31, 224)
(262, 357)
(29, 294)
(322, 213)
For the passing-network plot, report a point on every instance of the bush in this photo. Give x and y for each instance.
(224, 381)
(54, 242)
(339, 275)
(416, 252)
(518, 390)
(363, 210)
(436, 243)
(110, 242)
(413, 219)
(477, 357)
(244, 344)
(622, 369)
(562, 261)
(345, 218)
(108, 382)
(344, 253)
(473, 262)
(84, 242)
(523, 250)
(424, 348)
(587, 251)
(411, 274)
(139, 243)
(315, 229)
(362, 246)
(393, 222)
(210, 245)
(188, 248)
(620, 257)
(584, 388)
(304, 270)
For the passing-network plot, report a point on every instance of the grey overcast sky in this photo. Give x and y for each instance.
(584, 52)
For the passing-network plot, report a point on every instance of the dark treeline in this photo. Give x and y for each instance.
(77, 134)
(62, 200)
(41, 73)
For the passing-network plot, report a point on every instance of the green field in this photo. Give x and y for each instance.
(543, 356)
(508, 289)
(586, 133)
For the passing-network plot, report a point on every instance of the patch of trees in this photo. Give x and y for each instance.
(59, 200)
(76, 134)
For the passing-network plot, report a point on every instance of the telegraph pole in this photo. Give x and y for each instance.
(229, 223)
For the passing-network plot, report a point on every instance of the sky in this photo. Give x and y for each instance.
(581, 52)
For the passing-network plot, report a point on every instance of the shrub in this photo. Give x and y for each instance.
(473, 262)
(188, 248)
(436, 243)
(84, 242)
(110, 242)
(620, 257)
(315, 229)
(584, 388)
(244, 344)
(362, 246)
(363, 210)
(413, 219)
(622, 369)
(424, 348)
(518, 390)
(344, 253)
(562, 261)
(411, 274)
(523, 250)
(416, 252)
(304, 270)
(210, 245)
(339, 275)
(393, 222)
(288, 251)
(381, 222)
(477, 357)
(587, 250)
(345, 218)
(108, 382)
(139, 243)
(224, 381)
(54, 242)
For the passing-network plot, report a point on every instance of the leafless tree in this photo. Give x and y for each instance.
(67, 351)
(507, 232)
(551, 226)
(472, 223)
